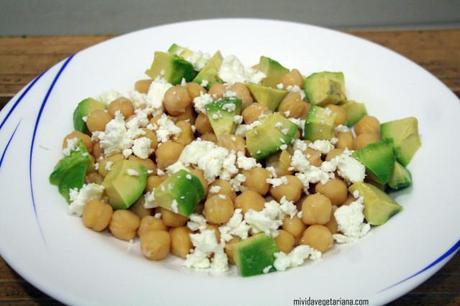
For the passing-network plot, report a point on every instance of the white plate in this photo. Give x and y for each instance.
(57, 254)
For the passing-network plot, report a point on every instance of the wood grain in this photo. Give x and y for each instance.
(438, 51)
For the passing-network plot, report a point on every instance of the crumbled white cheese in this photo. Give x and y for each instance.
(84, 118)
(280, 86)
(308, 173)
(267, 269)
(295, 258)
(200, 102)
(246, 163)
(238, 119)
(108, 165)
(215, 189)
(132, 172)
(166, 129)
(207, 254)
(275, 182)
(108, 96)
(79, 198)
(288, 207)
(157, 215)
(149, 200)
(299, 122)
(142, 147)
(96, 166)
(351, 169)
(198, 59)
(229, 93)
(196, 222)
(174, 206)
(71, 145)
(237, 181)
(342, 129)
(236, 226)
(204, 83)
(350, 222)
(157, 92)
(300, 145)
(233, 71)
(272, 171)
(323, 146)
(268, 220)
(297, 89)
(115, 138)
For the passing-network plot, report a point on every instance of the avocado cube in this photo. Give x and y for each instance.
(379, 159)
(378, 206)
(325, 87)
(405, 136)
(267, 138)
(355, 111)
(273, 70)
(221, 115)
(84, 108)
(401, 177)
(255, 254)
(320, 124)
(268, 96)
(71, 170)
(125, 183)
(180, 193)
(210, 71)
(171, 67)
(180, 51)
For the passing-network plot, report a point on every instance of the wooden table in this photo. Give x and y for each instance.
(22, 58)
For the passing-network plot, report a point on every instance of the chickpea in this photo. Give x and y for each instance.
(340, 114)
(168, 153)
(152, 136)
(202, 124)
(150, 223)
(314, 157)
(242, 92)
(93, 177)
(97, 120)
(232, 142)
(215, 229)
(97, 150)
(181, 244)
(316, 209)
(217, 90)
(155, 245)
(122, 105)
(294, 226)
(154, 181)
(285, 241)
(218, 209)
(124, 224)
(187, 115)
(365, 139)
(256, 179)
(85, 139)
(139, 209)
(345, 140)
(142, 86)
(176, 100)
(225, 188)
(106, 164)
(250, 200)
(194, 90)
(209, 137)
(281, 162)
(318, 237)
(292, 190)
(334, 153)
(253, 112)
(200, 175)
(97, 215)
(172, 219)
(292, 106)
(186, 135)
(335, 189)
(292, 78)
(230, 248)
(147, 163)
(332, 224)
(367, 124)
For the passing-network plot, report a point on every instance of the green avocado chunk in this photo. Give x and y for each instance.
(325, 87)
(320, 124)
(355, 111)
(84, 108)
(180, 193)
(125, 183)
(273, 70)
(172, 67)
(268, 96)
(378, 158)
(210, 71)
(405, 136)
(180, 51)
(255, 254)
(71, 170)
(267, 138)
(378, 206)
(401, 177)
(221, 114)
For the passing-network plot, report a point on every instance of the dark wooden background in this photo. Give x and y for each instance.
(22, 58)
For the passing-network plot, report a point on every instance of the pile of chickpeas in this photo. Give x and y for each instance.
(162, 232)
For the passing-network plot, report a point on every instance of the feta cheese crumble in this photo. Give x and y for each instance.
(236, 226)
(275, 182)
(208, 254)
(323, 146)
(233, 71)
(200, 102)
(350, 222)
(142, 147)
(156, 93)
(132, 172)
(295, 258)
(71, 145)
(79, 198)
(198, 59)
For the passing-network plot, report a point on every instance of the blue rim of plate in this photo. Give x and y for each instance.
(450, 252)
